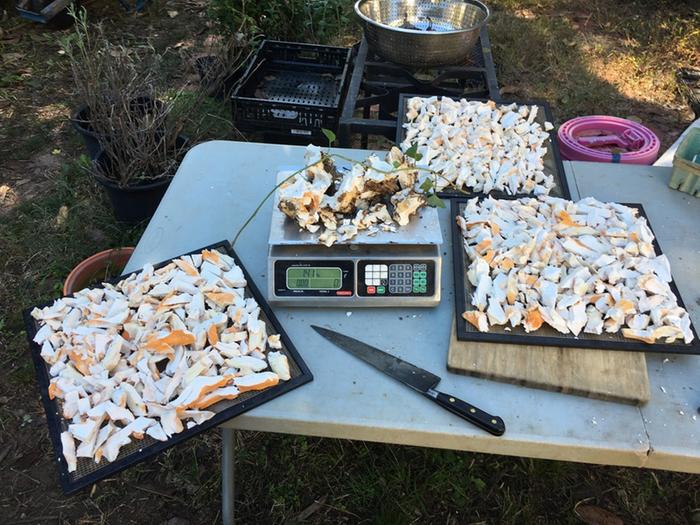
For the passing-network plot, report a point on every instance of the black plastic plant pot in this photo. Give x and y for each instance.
(137, 202)
(94, 141)
(81, 123)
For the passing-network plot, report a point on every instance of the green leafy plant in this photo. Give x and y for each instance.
(329, 135)
(316, 21)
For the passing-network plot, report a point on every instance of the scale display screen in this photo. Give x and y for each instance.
(314, 278)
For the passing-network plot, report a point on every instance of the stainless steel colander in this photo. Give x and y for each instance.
(422, 33)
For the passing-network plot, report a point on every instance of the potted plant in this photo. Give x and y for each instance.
(132, 121)
(223, 62)
(97, 268)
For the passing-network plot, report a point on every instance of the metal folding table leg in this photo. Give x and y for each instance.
(228, 438)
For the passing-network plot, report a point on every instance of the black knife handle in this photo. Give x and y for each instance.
(491, 424)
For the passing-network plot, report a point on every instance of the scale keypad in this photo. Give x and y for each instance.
(376, 278)
(388, 278)
(408, 278)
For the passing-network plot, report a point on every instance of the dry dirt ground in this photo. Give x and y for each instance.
(584, 57)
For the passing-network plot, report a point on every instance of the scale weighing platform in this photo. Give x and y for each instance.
(387, 269)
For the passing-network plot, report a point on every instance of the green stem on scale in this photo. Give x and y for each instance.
(262, 202)
(352, 161)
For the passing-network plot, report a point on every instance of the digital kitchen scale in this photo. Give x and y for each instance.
(387, 269)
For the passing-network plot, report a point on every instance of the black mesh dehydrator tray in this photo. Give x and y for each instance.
(292, 88)
(546, 335)
(88, 472)
(552, 160)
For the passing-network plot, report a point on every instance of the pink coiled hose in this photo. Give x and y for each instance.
(600, 138)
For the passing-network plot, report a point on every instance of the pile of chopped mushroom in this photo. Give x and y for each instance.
(346, 202)
(150, 354)
(479, 146)
(576, 266)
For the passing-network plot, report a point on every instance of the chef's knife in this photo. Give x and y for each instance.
(416, 378)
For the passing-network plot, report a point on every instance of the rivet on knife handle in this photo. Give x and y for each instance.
(492, 424)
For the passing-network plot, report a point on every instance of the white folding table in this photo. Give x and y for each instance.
(219, 184)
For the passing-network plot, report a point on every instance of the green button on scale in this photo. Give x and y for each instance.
(380, 290)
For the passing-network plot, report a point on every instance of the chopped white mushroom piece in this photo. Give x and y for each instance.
(68, 445)
(279, 365)
(257, 381)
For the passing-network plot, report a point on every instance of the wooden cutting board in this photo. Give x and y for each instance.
(601, 374)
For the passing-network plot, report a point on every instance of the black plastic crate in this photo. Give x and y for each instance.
(292, 89)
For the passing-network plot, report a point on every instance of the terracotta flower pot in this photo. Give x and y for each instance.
(97, 268)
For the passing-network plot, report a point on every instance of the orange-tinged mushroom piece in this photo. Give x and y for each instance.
(212, 256)
(159, 347)
(566, 219)
(257, 381)
(198, 389)
(486, 243)
(236, 318)
(212, 335)
(632, 334)
(230, 392)
(473, 317)
(82, 364)
(187, 268)
(164, 345)
(178, 337)
(54, 391)
(626, 306)
(221, 298)
(533, 319)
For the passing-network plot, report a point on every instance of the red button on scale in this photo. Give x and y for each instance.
(343, 292)
(371, 290)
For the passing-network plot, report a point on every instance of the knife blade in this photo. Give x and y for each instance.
(414, 377)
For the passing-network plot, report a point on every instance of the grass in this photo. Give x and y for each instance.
(590, 58)
(584, 58)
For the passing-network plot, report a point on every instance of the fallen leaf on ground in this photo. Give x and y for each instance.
(4, 190)
(177, 521)
(310, 510)
(4, 452)
(11, 57)
(173, 14)
(593, 515)
(61, 216)
(525, 13)
(509, 90)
